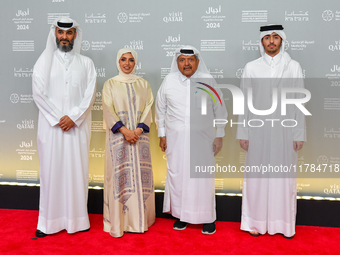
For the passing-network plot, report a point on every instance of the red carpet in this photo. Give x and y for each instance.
(18, 228)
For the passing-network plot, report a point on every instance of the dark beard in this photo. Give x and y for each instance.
(65, 48)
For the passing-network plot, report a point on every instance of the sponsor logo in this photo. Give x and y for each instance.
(23, 72)
(172, 43)
(23, 45)
(26, 175)
(239, 73)
(95, 19)
(24, 99)
(22, 20)
(100, 72)
(255, 16)
(26, 124)
(212, 45)
(94, 45)
(327, 15)
(173, 17)
(14, 98)
(165, 72)
(217, 73)
(135, 45)
(335, 46)
(212, 17)
(97, 153)
(331, 133)
(298, 16)
(132, 17)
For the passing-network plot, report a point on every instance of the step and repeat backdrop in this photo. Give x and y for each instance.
(227, 35)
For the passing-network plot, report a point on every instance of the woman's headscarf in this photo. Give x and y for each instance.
(123, 76)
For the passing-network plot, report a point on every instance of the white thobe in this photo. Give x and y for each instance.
(64, 160)
(191, 200)
(269, 204)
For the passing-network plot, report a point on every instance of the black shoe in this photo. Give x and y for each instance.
(209, 228)
(254, 235)
(180, 225)
(38, 233)
(288, 237)
(85, 230)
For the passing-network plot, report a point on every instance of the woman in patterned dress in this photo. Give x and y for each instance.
(129, 202)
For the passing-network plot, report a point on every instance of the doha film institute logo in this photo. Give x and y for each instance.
(327, 15)
(122, 17)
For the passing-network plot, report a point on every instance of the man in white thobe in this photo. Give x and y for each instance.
(269, 201)
(191, 200)
(64, 85)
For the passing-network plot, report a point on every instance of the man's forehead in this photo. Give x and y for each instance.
(273, 33)
(186, 56)
(70, 29)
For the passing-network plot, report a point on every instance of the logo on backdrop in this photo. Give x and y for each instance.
(122, 17)
(26, 124)
(299, 16)
(216, 73)
(95, 19)
(322, 159)
(23, 45)
(250, 46)
(135, 45)
(14, 98)
(132, 17)
(27, 175)
(255, 16)
(299, 45)
(173, 17)
(239, 73)
(165, 72)
(94, 45)
(212, 45)
(327, 15)
(331, 133)
(334, 72)
(23, 72)
(335, 46)
(85, 45)
(100, 72)
(333, 189)
(24, 99)
(171, 44)
(212, 17)
(22, 19)
(139, 70)
(97, 153)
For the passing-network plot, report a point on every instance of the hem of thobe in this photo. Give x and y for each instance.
(193, 217)
(279, 226)
(274, 227)
(71, 226)
(249, 224)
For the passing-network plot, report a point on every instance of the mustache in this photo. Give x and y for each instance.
(64, 40)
